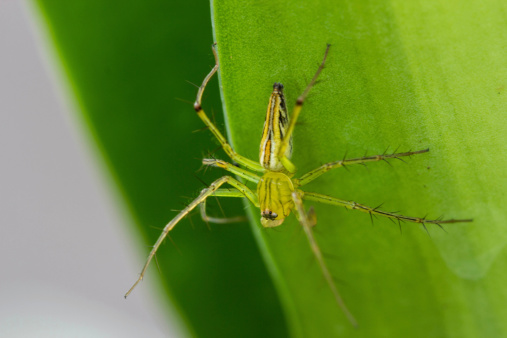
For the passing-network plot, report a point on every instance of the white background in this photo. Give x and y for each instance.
(65, 255)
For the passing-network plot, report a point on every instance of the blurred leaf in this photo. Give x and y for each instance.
(127, 63)
(400, 74)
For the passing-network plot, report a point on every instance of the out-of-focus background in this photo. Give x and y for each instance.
(64, 254)
(100, 148)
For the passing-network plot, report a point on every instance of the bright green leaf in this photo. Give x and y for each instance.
(400, 74)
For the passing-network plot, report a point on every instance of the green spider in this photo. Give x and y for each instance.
(278, 192)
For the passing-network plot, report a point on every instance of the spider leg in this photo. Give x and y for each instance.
(224, 192)
(308, 221)
(205, 193)
(375, 211)
(231, 168)
(252, 165)
(310, 176)
(295, 114)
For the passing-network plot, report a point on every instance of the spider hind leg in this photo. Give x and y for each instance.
(212, 189)
(377, 212)
(307, 221)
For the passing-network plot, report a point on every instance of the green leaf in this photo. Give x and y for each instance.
(127, 63)
(401, 74)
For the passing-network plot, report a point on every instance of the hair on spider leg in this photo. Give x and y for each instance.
(159, 228)
(319, 231)
(183, 100)
(189, 216)
(425, 228)
(346, 167)
(209, 154)
(200, 180)
(339, 281)
(168, 236)
(441, 227)
(210, 161)
(205, 154)
(188, 198)
(216, 198)
(213, 116)
(371, 218)
(386, 161)
(200, 129)
(399, 158)
(203, 168)
(212, 152)
(317, 82)
(385, 151)
(207, 224)
(193, 84)
(184, 206)
(345, 155)
(156, 262)
(174, 244)
(332, 257)
(220, 206)
(437, 222)
(364, 165)
(397, 222)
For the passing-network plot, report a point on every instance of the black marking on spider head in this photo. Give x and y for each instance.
(268, 214)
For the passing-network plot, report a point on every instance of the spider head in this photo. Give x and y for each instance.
(274, 194)
(270, 219)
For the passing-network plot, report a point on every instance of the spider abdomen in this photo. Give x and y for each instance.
(275, 128)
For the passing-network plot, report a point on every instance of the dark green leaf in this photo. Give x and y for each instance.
(127, 63)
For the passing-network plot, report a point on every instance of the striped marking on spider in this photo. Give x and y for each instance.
(278, 192)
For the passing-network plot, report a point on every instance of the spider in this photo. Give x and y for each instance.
(278, 192)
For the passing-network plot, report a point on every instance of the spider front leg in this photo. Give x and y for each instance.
(231, 168)
(252, 165)
(374, 211)
(307, 222)
(227, 193)
(205, 193)
(307, 178)
(295, 114)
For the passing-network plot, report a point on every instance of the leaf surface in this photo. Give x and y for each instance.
(400, 74)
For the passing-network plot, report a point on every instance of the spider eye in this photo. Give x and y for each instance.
(278, 86)
(268, 214)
